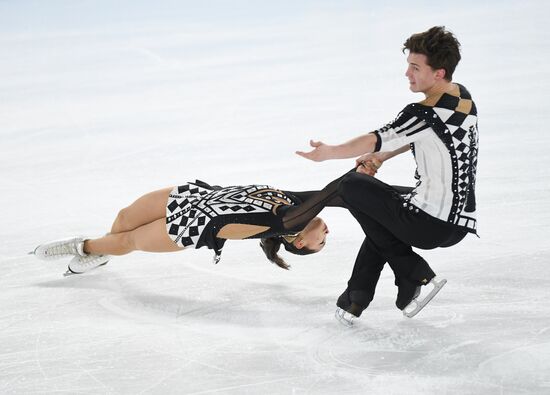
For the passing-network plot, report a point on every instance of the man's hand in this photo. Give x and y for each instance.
(369, 167)
(320, 152)
(369, 163)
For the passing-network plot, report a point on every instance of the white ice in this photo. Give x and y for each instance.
(103, 101)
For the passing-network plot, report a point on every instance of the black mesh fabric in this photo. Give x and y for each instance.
(296, 217)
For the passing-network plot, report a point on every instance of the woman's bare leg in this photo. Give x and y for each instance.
(144, 210)
(151, 237)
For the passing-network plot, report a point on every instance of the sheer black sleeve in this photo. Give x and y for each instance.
(296, 217)
(302, 196)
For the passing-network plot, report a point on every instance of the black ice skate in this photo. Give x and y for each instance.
(350, 306)
(407, 291)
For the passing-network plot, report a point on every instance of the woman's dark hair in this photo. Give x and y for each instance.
(440, 47)
(271, 246)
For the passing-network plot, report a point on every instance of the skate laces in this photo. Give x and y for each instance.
(68, 248)
(90, 260)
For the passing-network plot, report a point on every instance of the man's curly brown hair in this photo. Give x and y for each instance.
(440, 47)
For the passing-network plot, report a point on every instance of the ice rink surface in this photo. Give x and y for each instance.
(101, 102)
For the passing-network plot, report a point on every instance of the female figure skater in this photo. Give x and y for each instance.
(200, 215)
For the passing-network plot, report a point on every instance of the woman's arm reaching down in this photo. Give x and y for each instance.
(296, 217)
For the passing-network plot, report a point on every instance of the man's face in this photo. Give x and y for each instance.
(421, 76)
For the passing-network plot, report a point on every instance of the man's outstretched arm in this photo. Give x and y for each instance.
(352, 148)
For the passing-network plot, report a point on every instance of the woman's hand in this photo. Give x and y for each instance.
(320, 152)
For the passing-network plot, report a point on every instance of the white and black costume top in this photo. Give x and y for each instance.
(443, 135)
(197, 211)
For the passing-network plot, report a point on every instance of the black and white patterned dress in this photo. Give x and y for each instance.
(196, 211)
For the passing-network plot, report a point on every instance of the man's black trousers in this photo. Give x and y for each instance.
(392, 227)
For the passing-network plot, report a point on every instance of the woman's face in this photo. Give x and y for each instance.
(313, 236)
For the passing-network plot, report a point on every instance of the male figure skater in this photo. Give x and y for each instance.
(441, 131)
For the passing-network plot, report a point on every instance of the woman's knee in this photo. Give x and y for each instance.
(122, 221)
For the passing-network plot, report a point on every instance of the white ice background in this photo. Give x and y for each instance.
(103, 101)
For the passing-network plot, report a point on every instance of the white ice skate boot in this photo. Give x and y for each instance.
(82, 264)
(60, 248)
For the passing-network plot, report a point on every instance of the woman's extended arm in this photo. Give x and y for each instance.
(336, 201)
(296, 217)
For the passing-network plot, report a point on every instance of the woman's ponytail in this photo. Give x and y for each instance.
(271, 246)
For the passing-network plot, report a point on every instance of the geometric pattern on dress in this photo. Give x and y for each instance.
(242, 200)
(191, 207)
(183, 221)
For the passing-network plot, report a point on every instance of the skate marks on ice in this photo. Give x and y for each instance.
(376, 344)
(243, 331)
(248, 307)
(383, 351)
(293, 327)
(252, 336)
(523, 364)
(180, 294)
(189, 293)
(442, 344)
(79, 346)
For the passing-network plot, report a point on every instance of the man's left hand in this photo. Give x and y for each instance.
(369, 166)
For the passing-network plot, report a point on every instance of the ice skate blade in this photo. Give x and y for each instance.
(417, 304)
(345, 318)
(69, 272)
